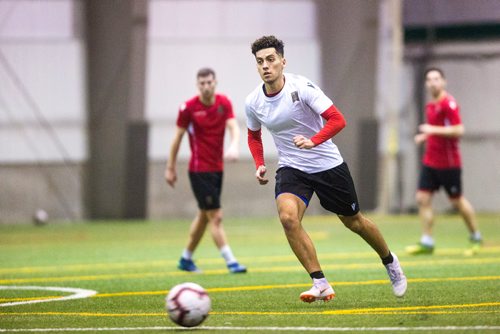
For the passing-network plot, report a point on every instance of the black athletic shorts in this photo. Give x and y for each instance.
(431, 179)
(207, 188)
(334, 188)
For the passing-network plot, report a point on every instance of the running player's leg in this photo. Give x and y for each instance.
(428, 183)
(216, 229)
(204, 186)
(425, 211)
(336, 193)
(212, 185)
(196, 231)
(219, 236)
(452, 182)
(291, 211)
(426, 215)
(367, 230)
(466, 210)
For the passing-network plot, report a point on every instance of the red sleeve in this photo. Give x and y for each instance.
(453, 113)
(256, 147)
(184, 117)
(335, 122)
(229, 108)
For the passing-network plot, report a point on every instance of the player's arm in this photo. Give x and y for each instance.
(170, 169)
(232, 153)
(257, 151)
(449, 131)
(335, 122)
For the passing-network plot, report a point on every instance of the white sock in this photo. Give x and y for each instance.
(427, 240)
(476, 236)
(187, 255)
(321, 282)
(227, 254)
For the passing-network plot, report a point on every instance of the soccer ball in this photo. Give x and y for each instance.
(188, 304)
(41, 217)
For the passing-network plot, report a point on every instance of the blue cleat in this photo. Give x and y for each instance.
(236, 268)
(188, 265)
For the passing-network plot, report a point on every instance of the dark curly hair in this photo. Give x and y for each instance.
(268, 42)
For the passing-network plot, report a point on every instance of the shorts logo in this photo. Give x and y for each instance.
(353, 206)
(295, 96)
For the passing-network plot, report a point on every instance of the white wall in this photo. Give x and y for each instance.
(42, 45)
(41, 78)
(185, 36)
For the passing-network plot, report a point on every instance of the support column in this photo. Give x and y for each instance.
(348, 37)
(388, 106)
(115, 178)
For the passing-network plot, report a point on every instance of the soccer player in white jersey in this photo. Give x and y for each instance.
(292, 108)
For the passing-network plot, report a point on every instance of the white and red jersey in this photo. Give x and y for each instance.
(206, 126)
(442, 152)
(295, 110)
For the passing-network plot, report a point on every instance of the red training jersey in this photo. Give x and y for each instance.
(442, 152)
(206, 126)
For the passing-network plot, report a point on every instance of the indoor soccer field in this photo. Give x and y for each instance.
(48, 273)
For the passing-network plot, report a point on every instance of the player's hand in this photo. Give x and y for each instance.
(425, 128)
(420, 138)
(232, 154)
(303, 142)
(171, 177)
(260, 175)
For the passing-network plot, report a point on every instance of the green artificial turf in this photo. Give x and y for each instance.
(132, 265)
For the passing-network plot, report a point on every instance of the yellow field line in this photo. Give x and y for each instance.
(287, 286)
(9, 300)
(432, 309)
(353, 266)
(261, 259)
(83, 314)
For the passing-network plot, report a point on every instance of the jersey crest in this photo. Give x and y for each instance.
(295, 96)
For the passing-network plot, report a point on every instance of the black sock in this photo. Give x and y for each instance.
(388, 259)
(317, 275)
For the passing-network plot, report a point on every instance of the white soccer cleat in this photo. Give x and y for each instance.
(397, 277)
(316, 293)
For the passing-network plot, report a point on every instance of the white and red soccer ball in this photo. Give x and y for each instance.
(188, 304)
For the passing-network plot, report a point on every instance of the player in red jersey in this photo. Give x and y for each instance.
(442, 164)
(205, 117)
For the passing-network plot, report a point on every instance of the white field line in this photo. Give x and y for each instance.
(276, 329)
(76, 294)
